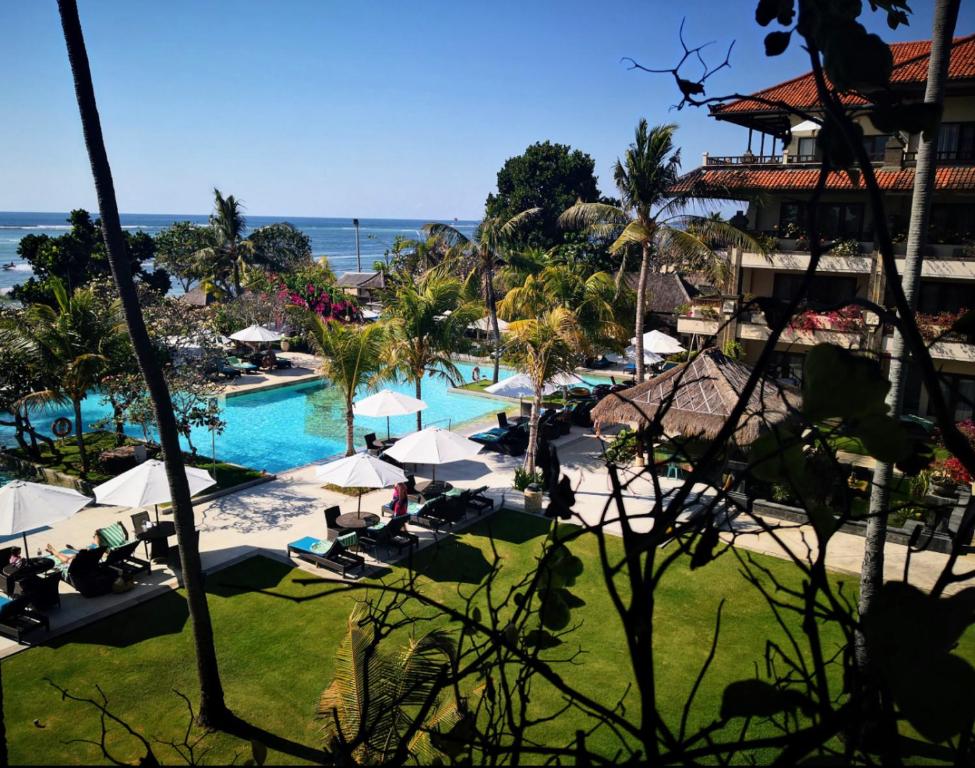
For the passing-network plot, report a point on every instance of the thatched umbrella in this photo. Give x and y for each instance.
(697, 398)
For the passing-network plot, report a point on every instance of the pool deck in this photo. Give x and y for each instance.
(265, 518)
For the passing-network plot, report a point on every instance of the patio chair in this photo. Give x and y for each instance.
(332, 528)
(327, 554)
(505, 423)
(123, 562)
(479, 502)
(373, 445)
(390, 534)
(141, 521)
(43, 592)
(17, 619)
(88, 575)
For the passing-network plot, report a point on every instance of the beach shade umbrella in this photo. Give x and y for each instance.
(256, 334)
(363, 470)
(25, 506)
(484, 324)
(660, 343)
(520, 385)
(567, 380)
(697, 397)
(147, 484)
(629, 356)
(433, 446)
(387, 403)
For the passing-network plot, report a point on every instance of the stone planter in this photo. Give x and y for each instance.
(285, 345)
(533, 499)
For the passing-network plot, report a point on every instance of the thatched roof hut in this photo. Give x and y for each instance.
(697, 398)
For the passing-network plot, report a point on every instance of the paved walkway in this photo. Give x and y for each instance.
(265, 518)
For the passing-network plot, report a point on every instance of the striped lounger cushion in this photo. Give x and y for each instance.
(112, 536)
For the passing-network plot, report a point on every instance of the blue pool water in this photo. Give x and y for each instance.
(295, 425)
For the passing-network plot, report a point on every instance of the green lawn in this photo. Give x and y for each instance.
(227, 475)
(277, 629)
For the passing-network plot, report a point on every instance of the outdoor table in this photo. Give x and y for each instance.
(158, 538)
(356, 521)
(434, 488)
(33, 566)
(389, 443)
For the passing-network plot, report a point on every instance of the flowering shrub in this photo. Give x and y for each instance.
(848, 318)
(939, 324)
(952, 469)
(313, 289)
(845, 248)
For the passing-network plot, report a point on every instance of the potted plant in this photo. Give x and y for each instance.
(946, 476)
(530, 484)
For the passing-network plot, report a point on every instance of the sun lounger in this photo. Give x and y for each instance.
(240, 365)
(390, 534)
(121, 550)
(87, 574)
(324, 553)
(17, 619)
(478, 502)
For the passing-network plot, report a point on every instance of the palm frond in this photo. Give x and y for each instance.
(583, 215)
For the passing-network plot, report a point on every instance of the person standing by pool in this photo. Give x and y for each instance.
(476, 373)
(401, 500)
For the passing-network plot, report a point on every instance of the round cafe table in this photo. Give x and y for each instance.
(356, 520)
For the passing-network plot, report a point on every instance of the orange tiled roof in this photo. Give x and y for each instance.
(910, 66)
(724, 182)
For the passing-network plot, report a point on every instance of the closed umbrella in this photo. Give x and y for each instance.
(25, 506)
(363, 470)
(256, 334)
(433, 446)
(147, 484)
(388, 403)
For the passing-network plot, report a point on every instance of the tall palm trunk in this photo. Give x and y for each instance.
(533, 430)
(349, 427)
(236, 265)
(212, 709)
(641, 303)
(79, 433)
(490, 299)
(419, 414)
(872, 569)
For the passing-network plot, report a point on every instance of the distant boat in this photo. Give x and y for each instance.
(11, 265)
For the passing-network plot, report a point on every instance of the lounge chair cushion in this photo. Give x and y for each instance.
(313, 545)
(112, 536)
(348, 540)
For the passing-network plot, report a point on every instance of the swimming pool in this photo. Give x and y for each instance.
(276, 429)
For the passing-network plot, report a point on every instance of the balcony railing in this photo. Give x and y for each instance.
(946, 157)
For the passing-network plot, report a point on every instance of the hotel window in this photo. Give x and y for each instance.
(876, 146)
(956, 142)
(823, 289)
(837, 221)
(944, 296)
(806, 150)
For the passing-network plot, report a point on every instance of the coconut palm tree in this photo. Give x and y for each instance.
(369, 710)
(68, 344)
(212, 710)
(425, 322)
(543, 347)
(352, 358)
(593, 301)
(654, 219)
(481, 257)
(231, 250)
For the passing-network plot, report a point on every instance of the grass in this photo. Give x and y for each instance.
(277, 629)
(226, 475)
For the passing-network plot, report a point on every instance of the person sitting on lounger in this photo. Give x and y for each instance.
(66, 555)
(401, 500)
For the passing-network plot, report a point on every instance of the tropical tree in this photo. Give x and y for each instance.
(212, 710)
(593, 302)
(68, 345)
(369, 711)
(177, 249)
(543, 347)
(221, 263)
(425, 322)
(653, 217)
(352, 357)
(480, 257)
(280, 247)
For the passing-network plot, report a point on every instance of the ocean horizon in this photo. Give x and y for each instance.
(333, 238)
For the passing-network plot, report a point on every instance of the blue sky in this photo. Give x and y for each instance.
(370, 109)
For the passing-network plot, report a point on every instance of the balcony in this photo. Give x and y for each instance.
(903, 159)
(702, 317)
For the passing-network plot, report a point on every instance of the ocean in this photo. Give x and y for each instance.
(332, 238)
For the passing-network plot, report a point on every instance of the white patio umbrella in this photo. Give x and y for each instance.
(387, 403)
(25, 506)
(433, 446)
(256, 334)
(519, 385)
(660, 343)
(484, 324)
(147, 484)
(629, 355)
(363, 470)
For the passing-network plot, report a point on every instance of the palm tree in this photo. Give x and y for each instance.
(425, 322)
(483, 255)
(231, 249)
(593, 301)
(544, 347)
(370, 710)
(352, 358)
(212, 710)
(68, 345)
(654, 218)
